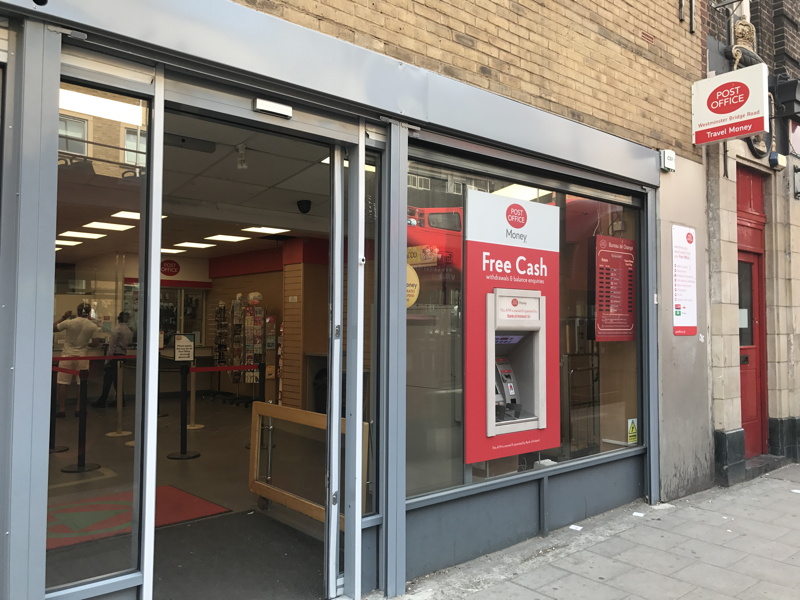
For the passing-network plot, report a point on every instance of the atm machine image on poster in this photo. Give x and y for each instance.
(511, 287)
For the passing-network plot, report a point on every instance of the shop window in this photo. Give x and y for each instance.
(598, 370)
(72, 135)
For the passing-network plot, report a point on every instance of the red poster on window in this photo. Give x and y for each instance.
(615, 289)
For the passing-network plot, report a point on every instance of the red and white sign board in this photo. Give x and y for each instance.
(615, 285)
(508, 245)
(730, 106)
(684, 280)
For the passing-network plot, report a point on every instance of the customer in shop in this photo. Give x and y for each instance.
(118, 344)
(81, 334)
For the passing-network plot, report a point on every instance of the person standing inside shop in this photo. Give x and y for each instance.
(118, 344)
(81, 334)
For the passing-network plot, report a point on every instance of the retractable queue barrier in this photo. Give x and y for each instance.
(189, 401)
(82, 466)
(53, 410)
(120, 397)
(119, 389)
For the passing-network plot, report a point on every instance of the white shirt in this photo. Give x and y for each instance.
(79, 332)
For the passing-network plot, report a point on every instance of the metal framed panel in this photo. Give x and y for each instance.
(237, 104)
(79, 63)
(121, 587)
(651, 410)
(356, 261)
(27, 231)
(226, 33)
(451, 533)
(147, 404)
(335, 368)
(392, 391)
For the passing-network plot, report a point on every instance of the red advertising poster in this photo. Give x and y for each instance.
(614, 277)
(511, 286)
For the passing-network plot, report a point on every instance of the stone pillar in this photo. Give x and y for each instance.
(724, 298)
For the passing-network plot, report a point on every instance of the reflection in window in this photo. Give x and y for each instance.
(599, 374)
(136, 147)
(71, 135)
(93, 510)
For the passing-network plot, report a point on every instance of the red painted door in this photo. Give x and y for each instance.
(751, 368)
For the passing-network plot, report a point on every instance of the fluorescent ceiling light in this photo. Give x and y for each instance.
(521, 192)
(108, 226)
(194, 245)
(68, 243)
(227, 238)
(267, 230)
(57, 248)
(126, 214)
(171, 251)
(83, 234)
(368, 168)
(105, 108)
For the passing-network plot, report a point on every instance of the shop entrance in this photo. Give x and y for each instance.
(267, 243)
(248, 278)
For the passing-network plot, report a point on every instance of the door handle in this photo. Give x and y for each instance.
(744, 359)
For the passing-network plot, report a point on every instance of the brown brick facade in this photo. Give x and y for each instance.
(620, 66)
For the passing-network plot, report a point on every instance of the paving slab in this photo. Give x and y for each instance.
(724, 581)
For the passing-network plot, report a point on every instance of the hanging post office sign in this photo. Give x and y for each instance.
(730, 106)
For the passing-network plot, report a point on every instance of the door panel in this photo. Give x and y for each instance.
(750, 354)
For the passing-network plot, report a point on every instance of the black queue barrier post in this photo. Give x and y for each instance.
(82, 466)
(184, 454)
(53, 410)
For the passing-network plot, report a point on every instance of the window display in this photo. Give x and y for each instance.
(594, 312)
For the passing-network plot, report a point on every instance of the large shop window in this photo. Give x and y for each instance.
(93, 512)
(593, 381)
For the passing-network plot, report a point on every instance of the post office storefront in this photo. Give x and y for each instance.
(376, 322)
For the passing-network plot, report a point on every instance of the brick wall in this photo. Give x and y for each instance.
(621, 66)
(787, 37)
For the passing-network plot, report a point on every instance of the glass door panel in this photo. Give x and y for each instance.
(93, 514)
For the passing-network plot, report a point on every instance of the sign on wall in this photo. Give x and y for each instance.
(730, 106)
(684, 280)
(511, 329)
(615, 286)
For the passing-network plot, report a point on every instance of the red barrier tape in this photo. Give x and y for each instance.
(68, 371)
(101, 357)
(225, 368)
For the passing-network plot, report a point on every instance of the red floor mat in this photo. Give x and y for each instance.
(106, 516)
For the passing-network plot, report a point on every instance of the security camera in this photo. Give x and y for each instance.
(304, 206)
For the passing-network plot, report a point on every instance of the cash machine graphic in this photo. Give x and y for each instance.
(511, 332)
(515, 349)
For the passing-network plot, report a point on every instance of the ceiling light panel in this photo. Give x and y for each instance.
(266, 230)
(194, 245)
(171, 251)
(108, 226)
(82, 234)
(227, 238)
(68, 243)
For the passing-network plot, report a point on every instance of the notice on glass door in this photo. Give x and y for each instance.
(684, 280)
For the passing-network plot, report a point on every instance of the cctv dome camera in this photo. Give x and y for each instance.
(304, 206)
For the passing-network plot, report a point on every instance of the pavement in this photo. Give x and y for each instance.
(741, 542)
